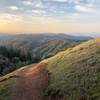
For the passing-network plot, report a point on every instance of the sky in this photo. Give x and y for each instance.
(38, 16)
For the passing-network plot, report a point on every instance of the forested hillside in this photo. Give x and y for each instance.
(11, 59)
(20, 50)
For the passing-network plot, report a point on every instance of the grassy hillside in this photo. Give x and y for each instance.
(75, 73)
(8, 81)
(5, 89)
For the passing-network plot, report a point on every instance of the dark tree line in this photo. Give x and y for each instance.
(22, 54)
(11, 59)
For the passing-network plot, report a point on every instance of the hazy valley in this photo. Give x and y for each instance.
(20, 50)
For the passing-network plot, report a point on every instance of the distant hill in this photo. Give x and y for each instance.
(41, 44)
(42, 36)
(74, 74)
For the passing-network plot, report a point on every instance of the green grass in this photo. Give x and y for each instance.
(6, 83)
(75, 73)
(5, 90)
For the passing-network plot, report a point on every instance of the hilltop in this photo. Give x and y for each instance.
(74, 74)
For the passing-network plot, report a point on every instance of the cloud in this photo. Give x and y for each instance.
(39, 4)
(38, 11)
(48, 7)
(61, 0)
(84, 8)
(33, 3)
(13, 8)
(10, 17)
(27, 3)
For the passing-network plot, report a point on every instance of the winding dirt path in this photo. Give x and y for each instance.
(31, 83)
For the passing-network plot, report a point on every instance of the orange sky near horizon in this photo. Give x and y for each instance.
(46, 25)
(42, 16)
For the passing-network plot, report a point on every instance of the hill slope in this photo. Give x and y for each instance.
(26, 83)
(75, 73)
(31, 83)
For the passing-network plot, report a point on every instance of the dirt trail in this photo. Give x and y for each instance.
(31, 83)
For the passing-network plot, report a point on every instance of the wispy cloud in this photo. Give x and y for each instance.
(38, 11)
(13, 8)
(52, 8)
(61, 0)
(84, 8)
(28, 3)
(9, 17)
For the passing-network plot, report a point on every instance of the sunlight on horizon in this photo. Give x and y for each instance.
(38, 16)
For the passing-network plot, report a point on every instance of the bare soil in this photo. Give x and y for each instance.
(31, 82)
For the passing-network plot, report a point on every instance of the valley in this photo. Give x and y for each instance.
(20, 50)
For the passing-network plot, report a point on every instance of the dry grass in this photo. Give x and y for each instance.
(75, 73)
